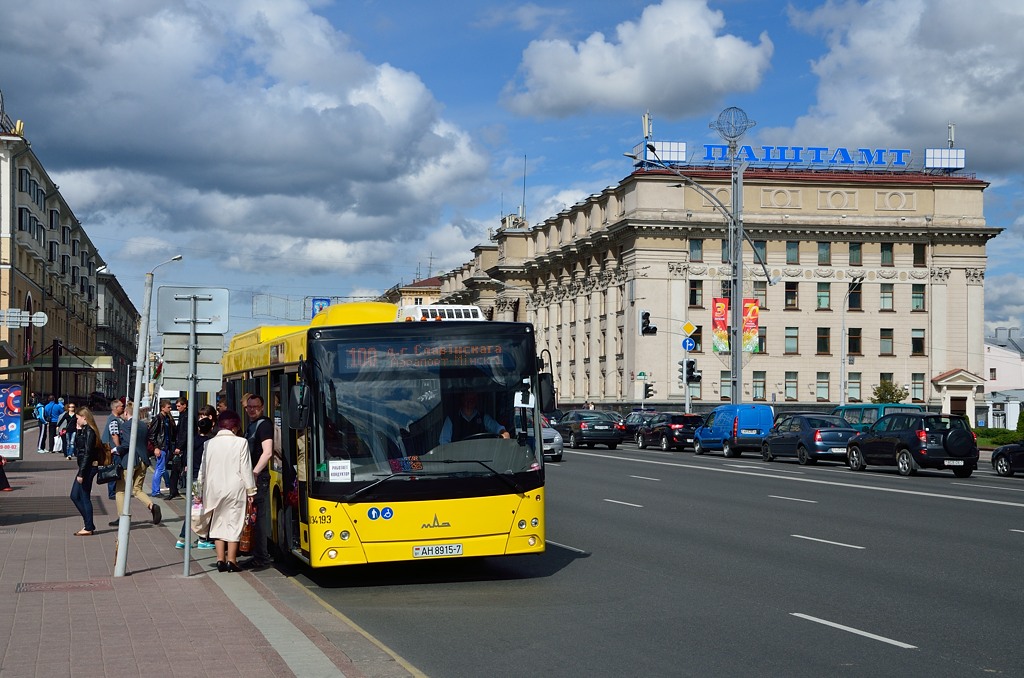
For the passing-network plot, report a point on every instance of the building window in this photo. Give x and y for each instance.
(792, 340)
(792, 296)
(885, 297)
(725, 379)
(791, 378)
(418, 301)
(725, 251)
(761, 251)
(917, 387)
(761, 294)
(694, 391)
(916, 342)
(887, 257)
(885, 341)
(920, 255)
(992, 373)
(762, 339)
(824, 341)
(821, 387)
(759, 385)
(792, 252)
(696, 249)
(726, 289)
(855, 298)
(855, 254)
(697, 293)
(917, 298)
(853, 387)
(53, 247)
(885, 378)
(23, 179)
(824, 296)
(697, 339)
(853, 342)
(824, 254)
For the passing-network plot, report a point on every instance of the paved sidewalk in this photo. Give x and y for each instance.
(63, 613)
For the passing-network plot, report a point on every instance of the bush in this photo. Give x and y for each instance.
(998, 436)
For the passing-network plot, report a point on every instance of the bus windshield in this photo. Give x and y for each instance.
(408, 411)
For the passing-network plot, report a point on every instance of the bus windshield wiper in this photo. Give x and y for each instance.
(484, 462)
(348, 499)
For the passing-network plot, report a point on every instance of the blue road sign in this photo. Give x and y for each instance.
(689, 344)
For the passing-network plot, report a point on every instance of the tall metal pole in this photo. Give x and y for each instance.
(125, 519)
(844, 344)
(736, 291)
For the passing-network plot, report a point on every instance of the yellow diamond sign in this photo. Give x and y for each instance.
(689, 328)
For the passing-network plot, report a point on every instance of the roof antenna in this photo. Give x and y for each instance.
(952, 133)
(522, 213)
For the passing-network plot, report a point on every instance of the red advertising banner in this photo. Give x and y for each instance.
(720, 325)
(751, 315)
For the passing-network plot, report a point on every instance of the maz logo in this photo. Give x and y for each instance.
(436, 523)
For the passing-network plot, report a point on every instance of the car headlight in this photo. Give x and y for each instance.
(558, 437)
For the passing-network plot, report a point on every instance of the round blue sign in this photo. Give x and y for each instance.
(689, 344)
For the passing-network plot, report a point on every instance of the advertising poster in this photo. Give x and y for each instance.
(751, 315)
(720, 325)
(10, 420)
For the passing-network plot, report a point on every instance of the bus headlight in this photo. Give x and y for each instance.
(522, 524)
(328, 535)
(344, 535)
(332, 554)
(532, 541)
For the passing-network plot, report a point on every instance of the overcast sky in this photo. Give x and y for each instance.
(291, 149)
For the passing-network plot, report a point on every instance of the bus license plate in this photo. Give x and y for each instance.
(436, 550)
(957, 462)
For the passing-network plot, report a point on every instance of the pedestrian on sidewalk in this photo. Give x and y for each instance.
(176, 464)
(260, 436)
(51, 415)
(161, 434)
(39, 410)
(67, 427)
(88, 451)
(206, 419)
(5, 485)
(138, 473)
(225, 481)
(112, 437)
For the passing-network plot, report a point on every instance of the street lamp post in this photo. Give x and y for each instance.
(732, 123)
(125, 520)
(857, 280)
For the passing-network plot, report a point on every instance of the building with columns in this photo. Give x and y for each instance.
(873, 260)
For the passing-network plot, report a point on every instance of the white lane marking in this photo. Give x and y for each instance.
(624, 503)
(825, 541)
(1021, 531)
(856, 486)
(563, 546)
(806, 501)
(657, 480)
(834, 625)
(990, 487)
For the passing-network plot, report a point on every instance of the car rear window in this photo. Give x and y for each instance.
(687, 419)
(827, 422)
(945, 424)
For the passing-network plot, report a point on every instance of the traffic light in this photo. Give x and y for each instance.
(682, 370)
(648, 390)
(692, 376)
(644, 323)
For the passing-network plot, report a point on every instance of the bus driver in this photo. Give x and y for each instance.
(470, 421)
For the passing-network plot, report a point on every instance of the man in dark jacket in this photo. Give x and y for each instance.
(162, 435)
(176, 464)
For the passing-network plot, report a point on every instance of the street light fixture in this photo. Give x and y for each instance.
(731, 124)
(857, 280)
(125, 519)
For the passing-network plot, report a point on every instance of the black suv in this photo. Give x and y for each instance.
(669, 430)
(915, 440)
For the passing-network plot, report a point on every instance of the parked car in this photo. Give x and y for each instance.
(635, 420)
(808, 437)
(552, 443)
(862, 415)
(915, 440)
(589, 427)
(733, 429)
(1008, 459)
(669, 430)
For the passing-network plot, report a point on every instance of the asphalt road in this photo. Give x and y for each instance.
(667, 564)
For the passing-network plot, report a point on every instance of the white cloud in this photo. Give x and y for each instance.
(674, 60)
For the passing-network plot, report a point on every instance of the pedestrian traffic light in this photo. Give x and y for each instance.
(648, 390)
(682, 370)
(644, 323)
(692, 376)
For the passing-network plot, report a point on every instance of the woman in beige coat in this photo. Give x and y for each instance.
(226, 480)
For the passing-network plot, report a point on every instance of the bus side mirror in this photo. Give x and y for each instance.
(298, 406)
(546, 386)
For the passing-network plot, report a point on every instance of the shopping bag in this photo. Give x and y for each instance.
(58, 444)
(200, 520)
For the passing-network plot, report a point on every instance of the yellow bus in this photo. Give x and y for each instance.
(374, 460)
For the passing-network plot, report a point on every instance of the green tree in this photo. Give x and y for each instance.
(889, 392)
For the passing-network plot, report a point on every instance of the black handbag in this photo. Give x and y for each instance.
(109, 473)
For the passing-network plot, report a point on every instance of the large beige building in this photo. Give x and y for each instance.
(891, 261)
(48, 266)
